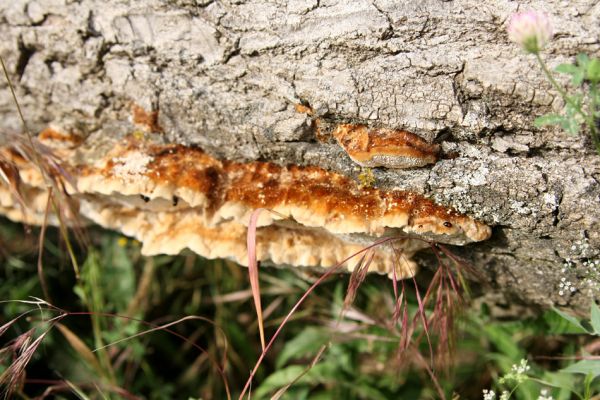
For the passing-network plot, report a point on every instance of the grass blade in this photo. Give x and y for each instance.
(253, 272)
(81, 348)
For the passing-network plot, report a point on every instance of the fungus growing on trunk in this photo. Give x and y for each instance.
(381, 147)
(172, 197)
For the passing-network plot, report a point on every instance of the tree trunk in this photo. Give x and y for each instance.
(262, 80)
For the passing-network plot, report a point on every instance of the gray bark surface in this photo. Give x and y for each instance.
(227, 75)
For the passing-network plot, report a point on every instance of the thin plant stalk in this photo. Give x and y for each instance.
(588, 118)
(65, 235)
(14, 96)
(320, 280)
(313, 362)
(40, 267)
(153, 327)
(37, 159)
(592, 117)
(555, 84)
(93, 300)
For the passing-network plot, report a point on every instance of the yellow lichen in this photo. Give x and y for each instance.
(366, 179)
(139, 135)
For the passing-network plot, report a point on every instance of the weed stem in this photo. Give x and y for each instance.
(589, 117)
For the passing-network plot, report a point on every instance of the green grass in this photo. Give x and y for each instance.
(121, 295)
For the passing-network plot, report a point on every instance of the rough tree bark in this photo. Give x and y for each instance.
(227, 75)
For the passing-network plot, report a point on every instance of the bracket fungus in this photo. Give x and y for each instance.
(171, 197)
(382, 147)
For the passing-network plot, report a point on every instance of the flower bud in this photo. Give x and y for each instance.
(531, 30)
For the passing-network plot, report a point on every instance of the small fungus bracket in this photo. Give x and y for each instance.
(382, 147)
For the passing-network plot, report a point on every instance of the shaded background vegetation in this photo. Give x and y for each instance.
(362, 359)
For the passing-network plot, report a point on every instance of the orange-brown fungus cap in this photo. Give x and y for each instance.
(172, 197)
(311, 196)
(381, 147)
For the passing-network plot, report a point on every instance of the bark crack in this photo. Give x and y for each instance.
(389, 32)
(25, 54)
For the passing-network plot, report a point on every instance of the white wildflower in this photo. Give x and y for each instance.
(489, 394)
(544, 395)
(565, 286)
(521, 368)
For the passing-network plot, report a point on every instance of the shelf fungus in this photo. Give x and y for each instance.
(381, 147)
(171, 197)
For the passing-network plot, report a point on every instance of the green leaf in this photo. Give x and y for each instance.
(504, 341)
(595, 319)
(277, 380)
(571, 319)
(571, 127)
(306, 343)
(577, 73)
(577, 100)
(584, 367)
(569, 69)
(548, 119)
(559, 380)
(583, 60)
(322, 373)
(595, 94)
(570, 123)
(557, 325)
(593, 71)
(365, 391)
